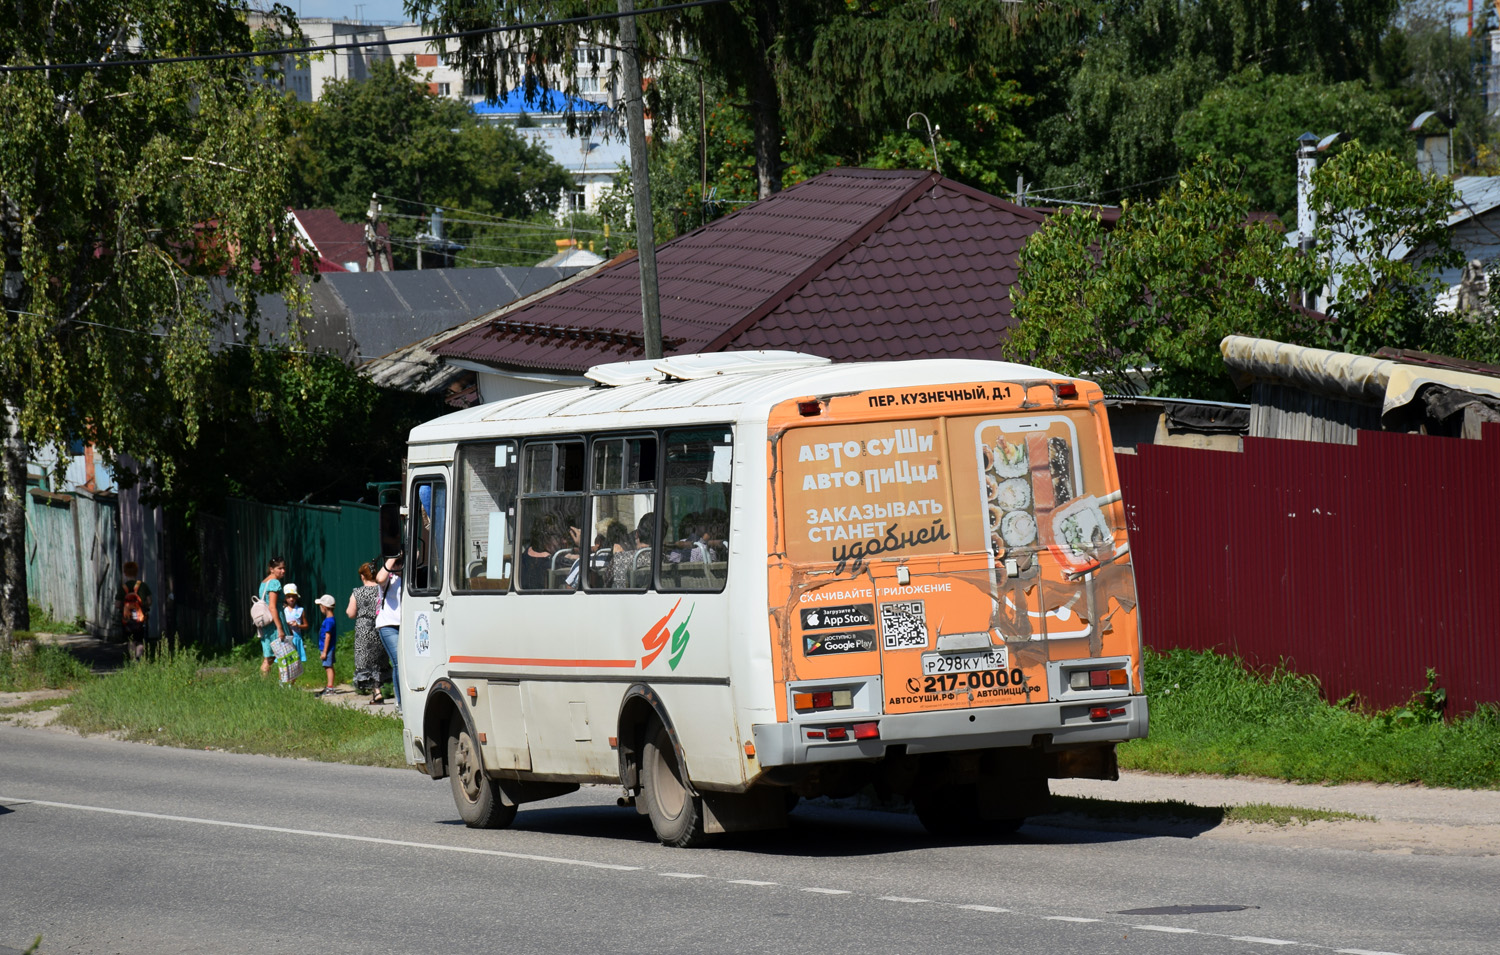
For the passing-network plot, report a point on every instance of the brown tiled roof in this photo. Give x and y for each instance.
(852, 264)
(338, 241)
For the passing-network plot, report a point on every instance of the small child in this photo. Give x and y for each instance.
(326, 641)
(296, 624)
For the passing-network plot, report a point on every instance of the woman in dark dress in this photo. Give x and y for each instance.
(536, 559)
(369, 652)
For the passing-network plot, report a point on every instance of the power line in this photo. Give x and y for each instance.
(357, 45)
(467, 212)
(540, 229)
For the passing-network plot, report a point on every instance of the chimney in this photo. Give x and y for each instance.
(1434, 149)
(1307, 161)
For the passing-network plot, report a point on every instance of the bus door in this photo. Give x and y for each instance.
(424, 643)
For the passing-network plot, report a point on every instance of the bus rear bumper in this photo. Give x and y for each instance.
(1054, 724)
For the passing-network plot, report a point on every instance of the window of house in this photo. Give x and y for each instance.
(551, 515)
(484, 554)
(444, 89)
(695, 508)
(622, 514)
(578, 201)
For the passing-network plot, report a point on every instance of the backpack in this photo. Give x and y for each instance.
(134, 612)
(260, 612)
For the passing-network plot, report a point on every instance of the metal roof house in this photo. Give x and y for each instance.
(852, 265)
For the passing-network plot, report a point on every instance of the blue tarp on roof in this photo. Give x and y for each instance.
(546, 101)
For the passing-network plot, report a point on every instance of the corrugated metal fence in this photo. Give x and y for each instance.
(73, 553)
(72, 557)
(1362, 565)
(323, 547)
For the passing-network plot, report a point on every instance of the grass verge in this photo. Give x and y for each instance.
(40, 666)
(1211, 715)
(177, 698)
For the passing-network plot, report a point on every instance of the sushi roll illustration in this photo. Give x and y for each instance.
(1013, 494)
(1061, 468)
(1011, 460)
(1018, 529)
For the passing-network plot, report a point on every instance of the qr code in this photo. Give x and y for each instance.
(903, 624)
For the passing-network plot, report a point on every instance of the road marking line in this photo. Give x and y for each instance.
(750, 882)
(1263, 941)
(829, 891)
(983, 908)
(322, 835)
(1361, 951)
(680, 875)
(901, 898)
(1066, 918)
(1164, 928)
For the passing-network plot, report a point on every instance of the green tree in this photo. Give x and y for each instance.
(1142, 307)
(123, 188)
(390, 134)
(286, 427)
(1386, 242)
(1253, 119)
(746, 44)
(1146, 63)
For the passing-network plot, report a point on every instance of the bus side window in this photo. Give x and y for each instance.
(695, 532)
(484, 555)
(551, 515)
(622, 514)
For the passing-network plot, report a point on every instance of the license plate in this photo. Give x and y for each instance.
(995, 658)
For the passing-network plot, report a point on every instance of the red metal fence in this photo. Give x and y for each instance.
(1361, 565)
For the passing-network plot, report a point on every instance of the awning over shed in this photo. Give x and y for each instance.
(1391, 383)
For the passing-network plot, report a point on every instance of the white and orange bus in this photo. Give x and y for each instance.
(722, 580)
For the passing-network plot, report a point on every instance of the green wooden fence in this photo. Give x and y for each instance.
(323, 547)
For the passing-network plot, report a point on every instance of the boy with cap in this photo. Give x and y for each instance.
(326, 641)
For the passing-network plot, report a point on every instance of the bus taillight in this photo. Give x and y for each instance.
(823, 700)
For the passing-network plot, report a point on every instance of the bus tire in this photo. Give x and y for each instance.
(476, 794)
(676, 811)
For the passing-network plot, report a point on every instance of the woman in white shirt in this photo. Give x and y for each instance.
(388, 618)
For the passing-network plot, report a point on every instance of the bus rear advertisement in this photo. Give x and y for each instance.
(727, 581)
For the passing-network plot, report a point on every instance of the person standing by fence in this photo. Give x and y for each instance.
(270, 593)
(133, 609)
(364, 604)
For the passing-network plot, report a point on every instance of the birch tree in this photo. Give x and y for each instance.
(123, 188)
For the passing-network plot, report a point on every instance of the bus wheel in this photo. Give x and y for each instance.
(476, 795)
(676, 812)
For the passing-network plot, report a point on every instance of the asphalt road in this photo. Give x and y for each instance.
(109, 847)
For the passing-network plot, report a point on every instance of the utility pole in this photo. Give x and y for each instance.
(640, 183)
(374, 253)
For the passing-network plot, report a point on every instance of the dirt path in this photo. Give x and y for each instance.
(1406, 819)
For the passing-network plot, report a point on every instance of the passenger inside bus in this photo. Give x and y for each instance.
(630, 568)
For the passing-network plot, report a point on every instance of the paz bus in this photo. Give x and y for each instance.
(725, 581)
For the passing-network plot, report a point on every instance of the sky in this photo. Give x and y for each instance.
(348, 10)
